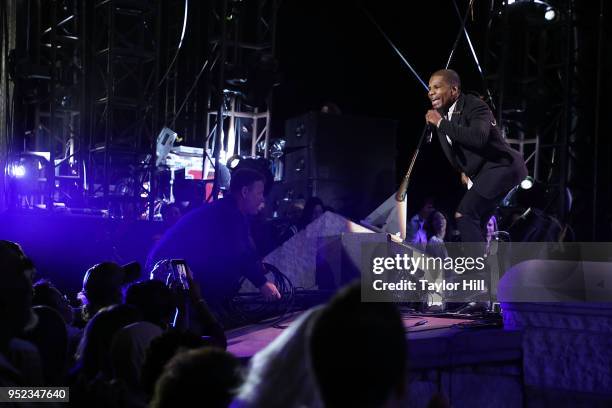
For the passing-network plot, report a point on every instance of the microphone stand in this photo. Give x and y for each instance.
(400, 195)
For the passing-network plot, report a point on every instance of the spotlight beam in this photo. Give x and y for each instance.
(469, 41)
(397, 51)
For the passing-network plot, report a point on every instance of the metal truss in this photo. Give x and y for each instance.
(531, 68)
(121, 70)
(8, 23)
(241, 43)
(49, 77)
(182, 96)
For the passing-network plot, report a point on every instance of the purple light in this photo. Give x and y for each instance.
(18, 170)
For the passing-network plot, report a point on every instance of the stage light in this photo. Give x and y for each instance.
(529, 193)
(532, 194)
(28, 173)
(527, 183)
(233, 161)
(535, 10)
(165, 142)
(278, 148)
(146, 189)
(261, 147)
(18, 171)
(28, 165)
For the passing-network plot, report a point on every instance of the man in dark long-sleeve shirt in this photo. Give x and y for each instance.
(216, 243)
(473, 144)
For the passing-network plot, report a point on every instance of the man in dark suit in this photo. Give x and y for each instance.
(216, 242)
(472, 142)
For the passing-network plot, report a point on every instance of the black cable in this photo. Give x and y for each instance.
(191, 90)
(179, 44)
(161, 81)
(289, 301)
(462, 29)
(249, 314)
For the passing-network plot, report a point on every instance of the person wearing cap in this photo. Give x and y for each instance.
(216, 242)
(103, 286)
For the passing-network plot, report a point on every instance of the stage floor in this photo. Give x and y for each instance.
(244, 342)
(471, 363)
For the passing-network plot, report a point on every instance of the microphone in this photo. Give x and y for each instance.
(431, 127)
(429, 131)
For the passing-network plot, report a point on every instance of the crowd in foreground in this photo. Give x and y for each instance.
(147, 344)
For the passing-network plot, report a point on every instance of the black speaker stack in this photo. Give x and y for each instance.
(346, 161)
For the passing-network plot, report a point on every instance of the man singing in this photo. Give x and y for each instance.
(473, 144)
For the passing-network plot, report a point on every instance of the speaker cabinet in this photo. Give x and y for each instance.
(347, 161)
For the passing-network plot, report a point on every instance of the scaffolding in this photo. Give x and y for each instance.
(241, 40)
(530, 60)
(121, 70)
(49, 78)
(99, 79)
(184, 59)
(8, 24)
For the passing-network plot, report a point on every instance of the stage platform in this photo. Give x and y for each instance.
(245, 341)
(473, 365)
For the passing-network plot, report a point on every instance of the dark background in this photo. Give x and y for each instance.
(331, 51)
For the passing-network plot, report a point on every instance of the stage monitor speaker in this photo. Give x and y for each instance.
(347, 161)
(297, 257)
